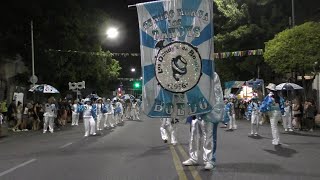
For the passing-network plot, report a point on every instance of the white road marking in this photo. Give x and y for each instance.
(68, 144)
(16, 167)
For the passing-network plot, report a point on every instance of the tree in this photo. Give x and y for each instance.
(243, 25)
(71, 26)
(295, 49)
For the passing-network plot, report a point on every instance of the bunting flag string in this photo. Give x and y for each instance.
(222, 55)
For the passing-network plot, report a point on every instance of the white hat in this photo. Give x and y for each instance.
(271, 87)
(87, 100)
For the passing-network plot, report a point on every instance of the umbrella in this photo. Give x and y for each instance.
(44, 88)
(288, 86)
(93, 96)
(127, 96)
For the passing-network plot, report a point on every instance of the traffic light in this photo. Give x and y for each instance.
(136, 85)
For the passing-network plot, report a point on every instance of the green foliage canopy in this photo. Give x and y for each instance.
(295, 49)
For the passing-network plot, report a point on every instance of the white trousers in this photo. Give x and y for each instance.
(255, 119)
(75, 118)
(109, 120)
(168, 128)
(48, 122)
(274, 116)
(118, 118)
(201, 128)
(287, 120)
(232, 122)
(89, 126)
(100, 122)
(135, 114)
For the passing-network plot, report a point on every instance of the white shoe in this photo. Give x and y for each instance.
(209, 166)
(94, 134)
(189, 162)
(291, 130)
(286, 130)
(44, 132)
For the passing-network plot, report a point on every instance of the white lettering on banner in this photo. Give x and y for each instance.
(175, 27)
(179, 109)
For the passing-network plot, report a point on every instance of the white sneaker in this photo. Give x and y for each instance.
(286, 130)
(209, 166)
(189, 162)
(291, 130)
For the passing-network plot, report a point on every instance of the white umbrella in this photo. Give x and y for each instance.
(44, 88)
(127, 96)
(288, 86)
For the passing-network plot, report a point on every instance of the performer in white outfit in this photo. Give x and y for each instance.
(89, 113)
(49, 115)
(205, 126)
(109, 115)
(168, 127)
(254, 116)
(232, 114)
(135, 110)
(75, 113)
(100, 115)
(273, 105)
(127, 109)
(118, 112)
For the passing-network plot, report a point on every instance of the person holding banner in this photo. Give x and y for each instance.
(206, 125)
(178, 69)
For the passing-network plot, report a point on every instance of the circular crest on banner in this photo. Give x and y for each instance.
(178, 67)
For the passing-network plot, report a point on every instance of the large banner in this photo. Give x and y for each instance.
(176, 39)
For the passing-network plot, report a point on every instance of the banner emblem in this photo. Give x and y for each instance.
(178, 66)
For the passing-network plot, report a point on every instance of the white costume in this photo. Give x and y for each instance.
(75, 115)
(167, 127)
(88, 119)
(109, 115)
(49, 115)
(118, 112)
(255, 117)
(135, 111)
(274, 109)
(100, 117)
(205, 126)
(232, 117)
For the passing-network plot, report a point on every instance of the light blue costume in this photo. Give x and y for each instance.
(89, 114)
(274, 111)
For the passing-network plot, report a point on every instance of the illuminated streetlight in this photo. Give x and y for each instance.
(133, 70)
(112, 33)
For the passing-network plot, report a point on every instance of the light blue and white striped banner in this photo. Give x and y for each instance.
(176, 39)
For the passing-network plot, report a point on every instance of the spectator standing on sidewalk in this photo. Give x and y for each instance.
(3, 109)
(19, 117)
(310, 111)
(297, 109)
(287, 117)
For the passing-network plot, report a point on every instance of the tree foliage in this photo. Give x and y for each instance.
(295, 49)
(66, 25)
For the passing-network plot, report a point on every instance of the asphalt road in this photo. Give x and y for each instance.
(135, 151)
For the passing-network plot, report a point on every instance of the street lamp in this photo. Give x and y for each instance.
(133, 69)
(112, 33)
